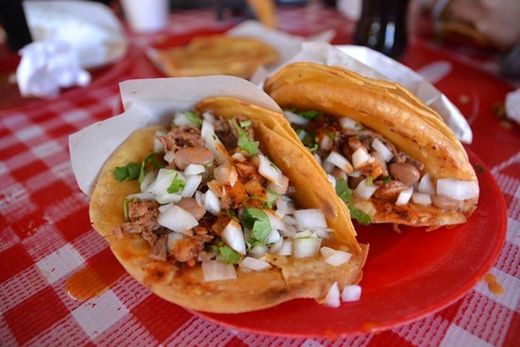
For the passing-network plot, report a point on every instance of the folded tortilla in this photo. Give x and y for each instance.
(289, 277)
(393, 113)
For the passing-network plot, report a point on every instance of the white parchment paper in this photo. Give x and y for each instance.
(373, 64)
(147, 102)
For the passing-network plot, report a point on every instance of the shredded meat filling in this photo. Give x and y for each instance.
(181, 137)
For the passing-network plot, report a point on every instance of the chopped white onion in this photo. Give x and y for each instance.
(208, 117)
(289, 220)
(212, 142)
(380, 148)
(332, 180)
(147, 180)
(348, 123)
(284, 207)
(339, 161)
(211, 203)
(234, 237)
(169, 156)
(457, 189)
(214, 270)
(426, 185)
(199, 198)
(295, 118)
(351, 292)
(273, 237)
(326, 143)
(404, 196)
(317, 158)
(167, 198)
(422, 198)
(323, 233)
(177, 219)
(280, 187)
(163, 181)
(194, 169)
(275, 221)
(192, 184)
(258, 251)
(254, 264)
(268, 170)
(180, 119)
(302, 234)
(365, 190)
(361, 157)
(327, 251)
(355, 174)
(306, 247)
(310, 219)
(157, 144)
(165, 208)
(333, 297)
(141, 196)
(238, 157)
(286, 248)
(290, 231)
(328, 166)
(338, 258)
(276, 247)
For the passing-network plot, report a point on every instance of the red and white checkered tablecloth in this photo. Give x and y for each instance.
(45, 234)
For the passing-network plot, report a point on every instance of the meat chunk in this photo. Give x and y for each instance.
(181, 137)
(159, 250)
(190, 205)
(192, 155)
(226, 133)
(406, 173)
(390, 191)
(143, 210)
(185, 250)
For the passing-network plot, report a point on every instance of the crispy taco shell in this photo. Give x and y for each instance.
(217, 55)
(288, 279)
(393, 112)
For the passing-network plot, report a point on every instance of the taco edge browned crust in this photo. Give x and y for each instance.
(252, 290)
(390, 110)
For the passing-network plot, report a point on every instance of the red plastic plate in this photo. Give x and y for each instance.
(407, 276)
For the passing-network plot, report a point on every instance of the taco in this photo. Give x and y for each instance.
(224, 212)
(391, 158)
(217, 55)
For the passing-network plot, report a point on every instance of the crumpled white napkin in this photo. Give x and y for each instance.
(47, 66)
(513, 105)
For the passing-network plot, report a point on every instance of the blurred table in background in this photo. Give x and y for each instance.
(44, 217)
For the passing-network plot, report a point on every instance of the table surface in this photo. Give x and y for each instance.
(45, 233)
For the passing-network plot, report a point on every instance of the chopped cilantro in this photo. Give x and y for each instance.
(177, 185)
(345, 193)
(309, 114)
(359, 215)
(369, 180)
(150, 159)
(127, 173)
(230, 213)
(387, 179)
(272, 196)
(244, 143)
(257, 221)
(194, 118)
(308, 139)
(229, 255)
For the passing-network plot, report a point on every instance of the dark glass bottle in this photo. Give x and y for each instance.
(12, 18)
(382, 26)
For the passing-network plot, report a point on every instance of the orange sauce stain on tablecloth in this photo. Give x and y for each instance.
(493, 285)
(95, 278)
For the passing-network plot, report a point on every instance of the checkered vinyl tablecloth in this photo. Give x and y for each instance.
(45, 234)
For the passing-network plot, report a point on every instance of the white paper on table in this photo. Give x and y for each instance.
(513, 105)
(147, 102)
(286, 45)
(373, 64)
(91, 29)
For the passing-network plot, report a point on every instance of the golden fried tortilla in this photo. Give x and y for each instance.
(391, 111)
(217, 55)
(288, 279)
